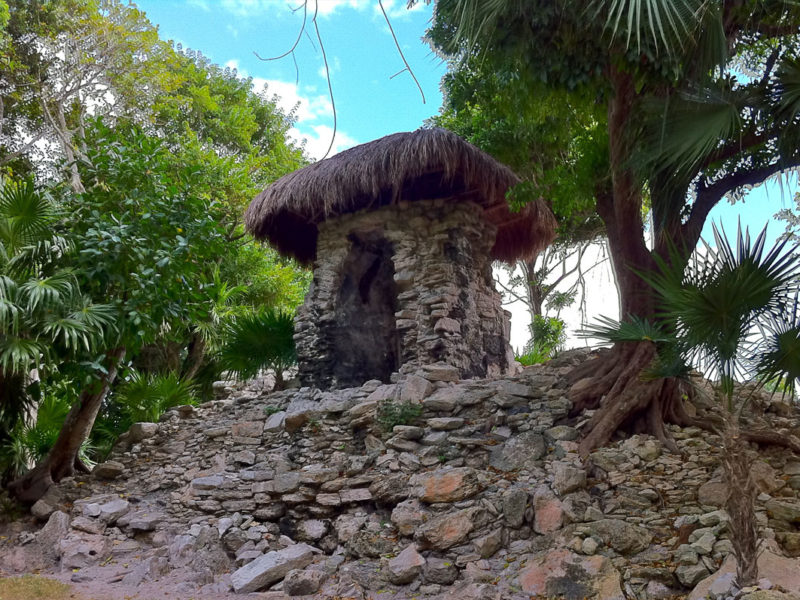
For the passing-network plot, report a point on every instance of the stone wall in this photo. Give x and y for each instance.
(482, 495)
(442, 301)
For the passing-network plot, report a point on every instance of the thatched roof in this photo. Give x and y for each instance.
(424, 164)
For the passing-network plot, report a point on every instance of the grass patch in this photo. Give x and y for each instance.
(33, 587)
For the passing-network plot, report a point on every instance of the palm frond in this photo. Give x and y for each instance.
(18, 355)
(682, 134)
(259, 341)
(635, 329)
(666, 24)
(777, 357)
(47, 292)
(28, 213)
(789, 87)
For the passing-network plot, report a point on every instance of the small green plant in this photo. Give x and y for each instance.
(547, 338)
(271, 410)
(392, 413)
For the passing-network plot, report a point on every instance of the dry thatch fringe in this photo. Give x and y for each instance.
(740, 503)
(424, 164)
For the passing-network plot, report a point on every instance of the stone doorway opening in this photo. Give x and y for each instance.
(365, 340)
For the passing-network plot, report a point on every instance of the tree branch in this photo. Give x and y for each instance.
(709, 196)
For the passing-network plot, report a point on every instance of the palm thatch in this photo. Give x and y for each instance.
(419, 165)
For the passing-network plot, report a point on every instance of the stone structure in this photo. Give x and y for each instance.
(401, 233)
(408, 285)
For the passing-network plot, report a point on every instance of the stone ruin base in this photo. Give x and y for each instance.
(482, 496)
(403, 286)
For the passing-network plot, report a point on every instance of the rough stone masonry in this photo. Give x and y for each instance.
(403, 286)
(482, 495)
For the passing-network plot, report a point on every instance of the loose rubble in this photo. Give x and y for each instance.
(483, 495)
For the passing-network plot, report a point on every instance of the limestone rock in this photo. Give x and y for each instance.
(142, 431)
(548, 512)
(83, 550)
(623, 537)
(567, 478)
(515, 501)
(440, 372)
(415, 389)
(561, 573)
(406, 566)
(785, 511)
(440, 571)
(113, 510)
(448, 530)
(110, 469)
(271, 567)
(448, 485)
(50, 536)
(390, 490)
(520, 452)
(302, 582)
(408, 516)
(780, 571)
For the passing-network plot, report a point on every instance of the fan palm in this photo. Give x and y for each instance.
(262, 340)
(43, 315)
(733, 311)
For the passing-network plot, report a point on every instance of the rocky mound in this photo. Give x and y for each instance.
(427, 488)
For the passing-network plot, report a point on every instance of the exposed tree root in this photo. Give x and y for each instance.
(613, 384)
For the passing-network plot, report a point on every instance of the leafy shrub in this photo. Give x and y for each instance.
(547, 338)
(142, 398)
(392, 413)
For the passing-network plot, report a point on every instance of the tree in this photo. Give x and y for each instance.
(161, 151)
(142, 243)
(701, 101)
(555, 146)
(46, 320)
(732, 312)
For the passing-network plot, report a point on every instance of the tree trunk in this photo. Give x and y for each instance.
(195, 356)
(740, 503)
(62, 460)
(613, 383)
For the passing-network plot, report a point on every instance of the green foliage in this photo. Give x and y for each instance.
(262, 340)
(391, 413)
(547, 338)
(532, 356)
(733, 312)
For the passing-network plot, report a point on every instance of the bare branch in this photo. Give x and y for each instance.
(299, 35)
(327, 77)
(400, 51)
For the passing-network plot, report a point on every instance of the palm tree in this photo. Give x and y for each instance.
(732, 312)
(44, 318)
(258, 341)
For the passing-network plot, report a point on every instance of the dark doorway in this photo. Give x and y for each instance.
(365, 340)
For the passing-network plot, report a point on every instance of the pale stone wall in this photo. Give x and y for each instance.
(446, 309)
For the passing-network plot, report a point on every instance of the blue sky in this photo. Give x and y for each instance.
(362, 58)
(361, 54)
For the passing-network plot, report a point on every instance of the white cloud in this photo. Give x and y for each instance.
(234, 64)
(232, 30)
(313, 114)
(333, 66)
(318, 139)
(201, 4)
(396, 9)
(310, 105)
